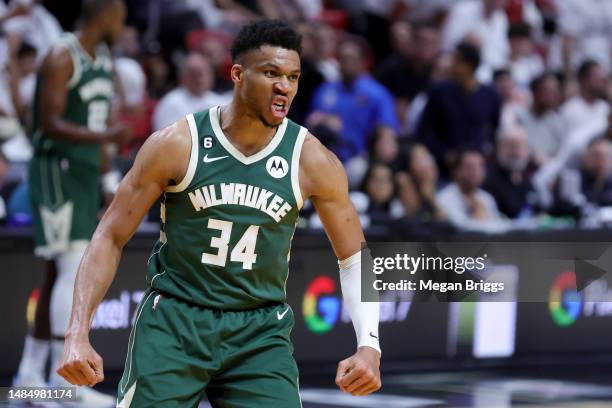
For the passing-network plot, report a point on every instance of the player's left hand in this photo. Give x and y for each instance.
(360, 373)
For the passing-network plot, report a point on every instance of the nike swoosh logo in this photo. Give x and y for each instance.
(280, 315)
(212, 159)
(372, 335)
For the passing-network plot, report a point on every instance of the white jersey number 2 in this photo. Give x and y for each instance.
(243, 251)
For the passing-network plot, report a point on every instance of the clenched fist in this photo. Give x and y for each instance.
(360, 373)
(80, 364)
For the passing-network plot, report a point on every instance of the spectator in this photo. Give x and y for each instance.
(378, 185)
(137, 108)
(294, 10)
(270, 9)
(376, 201)
(226, 15)
(18, 80)
(38, 27)
(417, 187)
(327, 47)
(460, 113)
(407, 72)
(586, 32)
(569, 158)
(16, 9)
(590, 105)
(512, 97)
(157, 71)
(596, 175)
(541, 120)
(194, 93)
(370, 20)
(579, 190)
(17, 85)
(466, 205)
(525, 63)
(509, 176)
(400, 38)
(487, 22)
(440, 72)
(310, 77)
(383, 147)
(592, 183)
(344, 113)
(215, 46)
(427, 10)
(129, 43)
(23, 78)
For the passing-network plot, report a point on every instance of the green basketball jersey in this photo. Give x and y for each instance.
(227, 227)
(90, 91)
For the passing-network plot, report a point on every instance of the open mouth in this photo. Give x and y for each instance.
(279, 108)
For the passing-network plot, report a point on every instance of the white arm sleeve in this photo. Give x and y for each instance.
(365, 315)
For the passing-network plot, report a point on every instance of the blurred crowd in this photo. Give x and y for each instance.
(449, 115)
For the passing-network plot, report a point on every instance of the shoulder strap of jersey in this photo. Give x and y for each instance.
(295, 165)
(193, 158)
(68, 40)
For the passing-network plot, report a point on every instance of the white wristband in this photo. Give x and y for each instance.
(365, 315)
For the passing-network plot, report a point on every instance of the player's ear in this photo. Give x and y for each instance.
(236, 73)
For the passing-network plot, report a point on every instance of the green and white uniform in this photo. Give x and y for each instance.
(64, 176)
(214, 317)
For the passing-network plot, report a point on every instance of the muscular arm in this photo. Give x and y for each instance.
(323, 180)
(56, 71)
(138, 191)
(140, 188)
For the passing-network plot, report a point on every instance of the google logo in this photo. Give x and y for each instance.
(320, 308)
(564, 302)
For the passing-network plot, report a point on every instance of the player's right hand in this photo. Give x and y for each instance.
(119, 134)
(360, 373)
(80, 364)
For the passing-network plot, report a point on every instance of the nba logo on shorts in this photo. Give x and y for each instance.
(277, 167)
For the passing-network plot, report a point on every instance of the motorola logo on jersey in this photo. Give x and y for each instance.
(321, 309)
(277, 167)
(566, 304)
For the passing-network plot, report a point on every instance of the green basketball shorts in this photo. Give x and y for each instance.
(178, 351)
(65, 198)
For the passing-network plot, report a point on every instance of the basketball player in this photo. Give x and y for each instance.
(232, 180)
(71, 110)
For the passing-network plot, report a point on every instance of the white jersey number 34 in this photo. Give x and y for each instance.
(243, 251)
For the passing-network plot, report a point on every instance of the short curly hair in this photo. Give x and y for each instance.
(266, 32)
